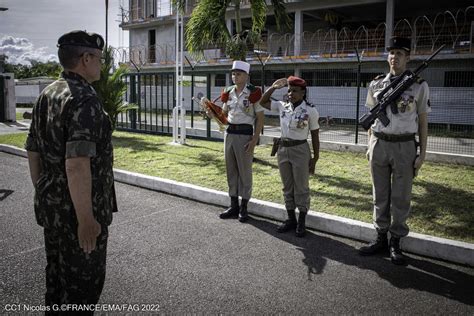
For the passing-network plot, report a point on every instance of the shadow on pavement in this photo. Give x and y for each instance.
(4, 194)
(419, 274)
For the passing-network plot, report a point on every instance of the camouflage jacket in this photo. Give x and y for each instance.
(69, 121)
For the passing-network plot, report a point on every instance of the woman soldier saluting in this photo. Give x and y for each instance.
(297, 119)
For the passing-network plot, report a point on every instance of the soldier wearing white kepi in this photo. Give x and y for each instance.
(298, 118)
(392, 153)
(241, 103)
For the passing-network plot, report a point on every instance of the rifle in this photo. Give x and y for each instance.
(391, 93)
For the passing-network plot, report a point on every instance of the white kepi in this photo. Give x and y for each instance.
(241, 65)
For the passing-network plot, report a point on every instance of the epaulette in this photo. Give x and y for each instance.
(225, 93)
(255, 93)
(379, 77)
(419, 80)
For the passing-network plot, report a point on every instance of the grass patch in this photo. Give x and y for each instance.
(442, 193)
(16, 139)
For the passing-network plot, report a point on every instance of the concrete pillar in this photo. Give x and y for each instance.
(228, 22)
(298, 32)
(389, 14)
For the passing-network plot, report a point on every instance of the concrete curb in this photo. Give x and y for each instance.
(440, 248)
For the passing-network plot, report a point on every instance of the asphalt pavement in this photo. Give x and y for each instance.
(177, 256)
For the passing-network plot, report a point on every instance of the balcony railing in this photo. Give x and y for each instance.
(139, 13)
(456, 31)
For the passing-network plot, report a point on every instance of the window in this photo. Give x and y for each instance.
(219, 80)
(459, 79)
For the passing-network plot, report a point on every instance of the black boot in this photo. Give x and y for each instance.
(243, 214)
(301, 228)
(396, 254)
(289, 224)
(233, 210)
(377, 246)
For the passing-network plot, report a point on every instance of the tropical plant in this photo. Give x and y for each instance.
(207, 25)
(36, 69)
(111, 88)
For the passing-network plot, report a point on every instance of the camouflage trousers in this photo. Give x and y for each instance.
(72, 276)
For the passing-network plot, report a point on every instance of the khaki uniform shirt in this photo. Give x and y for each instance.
(413, 101)
(69, 121)
(240, 110)
(296, 123)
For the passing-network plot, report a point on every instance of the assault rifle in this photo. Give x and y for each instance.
(391, 93)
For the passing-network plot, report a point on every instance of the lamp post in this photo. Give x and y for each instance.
(106, 23)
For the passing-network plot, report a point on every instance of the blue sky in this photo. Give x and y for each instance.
(29, 29)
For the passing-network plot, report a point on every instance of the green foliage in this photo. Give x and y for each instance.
(207, 26)
(37, 69)
(111, 88)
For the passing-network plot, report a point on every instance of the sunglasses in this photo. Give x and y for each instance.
(102, 58)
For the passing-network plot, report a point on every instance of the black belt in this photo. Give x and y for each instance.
(395, 137)
(241, 129)
(288, 142)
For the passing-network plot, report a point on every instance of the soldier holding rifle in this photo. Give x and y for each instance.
(392, 151)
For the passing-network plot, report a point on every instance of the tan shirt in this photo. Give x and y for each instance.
(413, 101)
(296, 123)
(240, 110)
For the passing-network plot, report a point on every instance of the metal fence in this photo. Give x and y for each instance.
(332, 90)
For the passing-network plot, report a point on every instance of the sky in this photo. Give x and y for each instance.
(29, 29)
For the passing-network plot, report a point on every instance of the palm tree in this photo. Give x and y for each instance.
(111, 88)
(207, 25)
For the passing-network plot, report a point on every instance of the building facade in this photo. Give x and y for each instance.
(322, 46)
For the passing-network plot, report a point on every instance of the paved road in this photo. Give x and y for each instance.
(177, 253)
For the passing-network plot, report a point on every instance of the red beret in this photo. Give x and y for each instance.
(296, 81)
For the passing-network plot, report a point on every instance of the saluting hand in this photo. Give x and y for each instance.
(87, 231)
(280, 83)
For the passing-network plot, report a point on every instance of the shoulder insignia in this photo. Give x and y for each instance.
(225, 93)
(255, 93)
(379, 77)
(229, 88)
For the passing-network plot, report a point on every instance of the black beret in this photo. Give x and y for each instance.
(81, 38)
(397, 42)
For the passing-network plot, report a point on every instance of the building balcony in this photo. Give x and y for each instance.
(319, 45)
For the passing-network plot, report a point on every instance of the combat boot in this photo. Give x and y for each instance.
(233, 210)
(377, 246)
(396, 254)
(301, 227)
(289, 224)
(243, 214)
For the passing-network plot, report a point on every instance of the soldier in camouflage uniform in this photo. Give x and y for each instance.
(70, 156)
(392, 153)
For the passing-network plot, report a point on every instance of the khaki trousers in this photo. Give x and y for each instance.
(238, 165)
(391, 166)
(293, 163)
